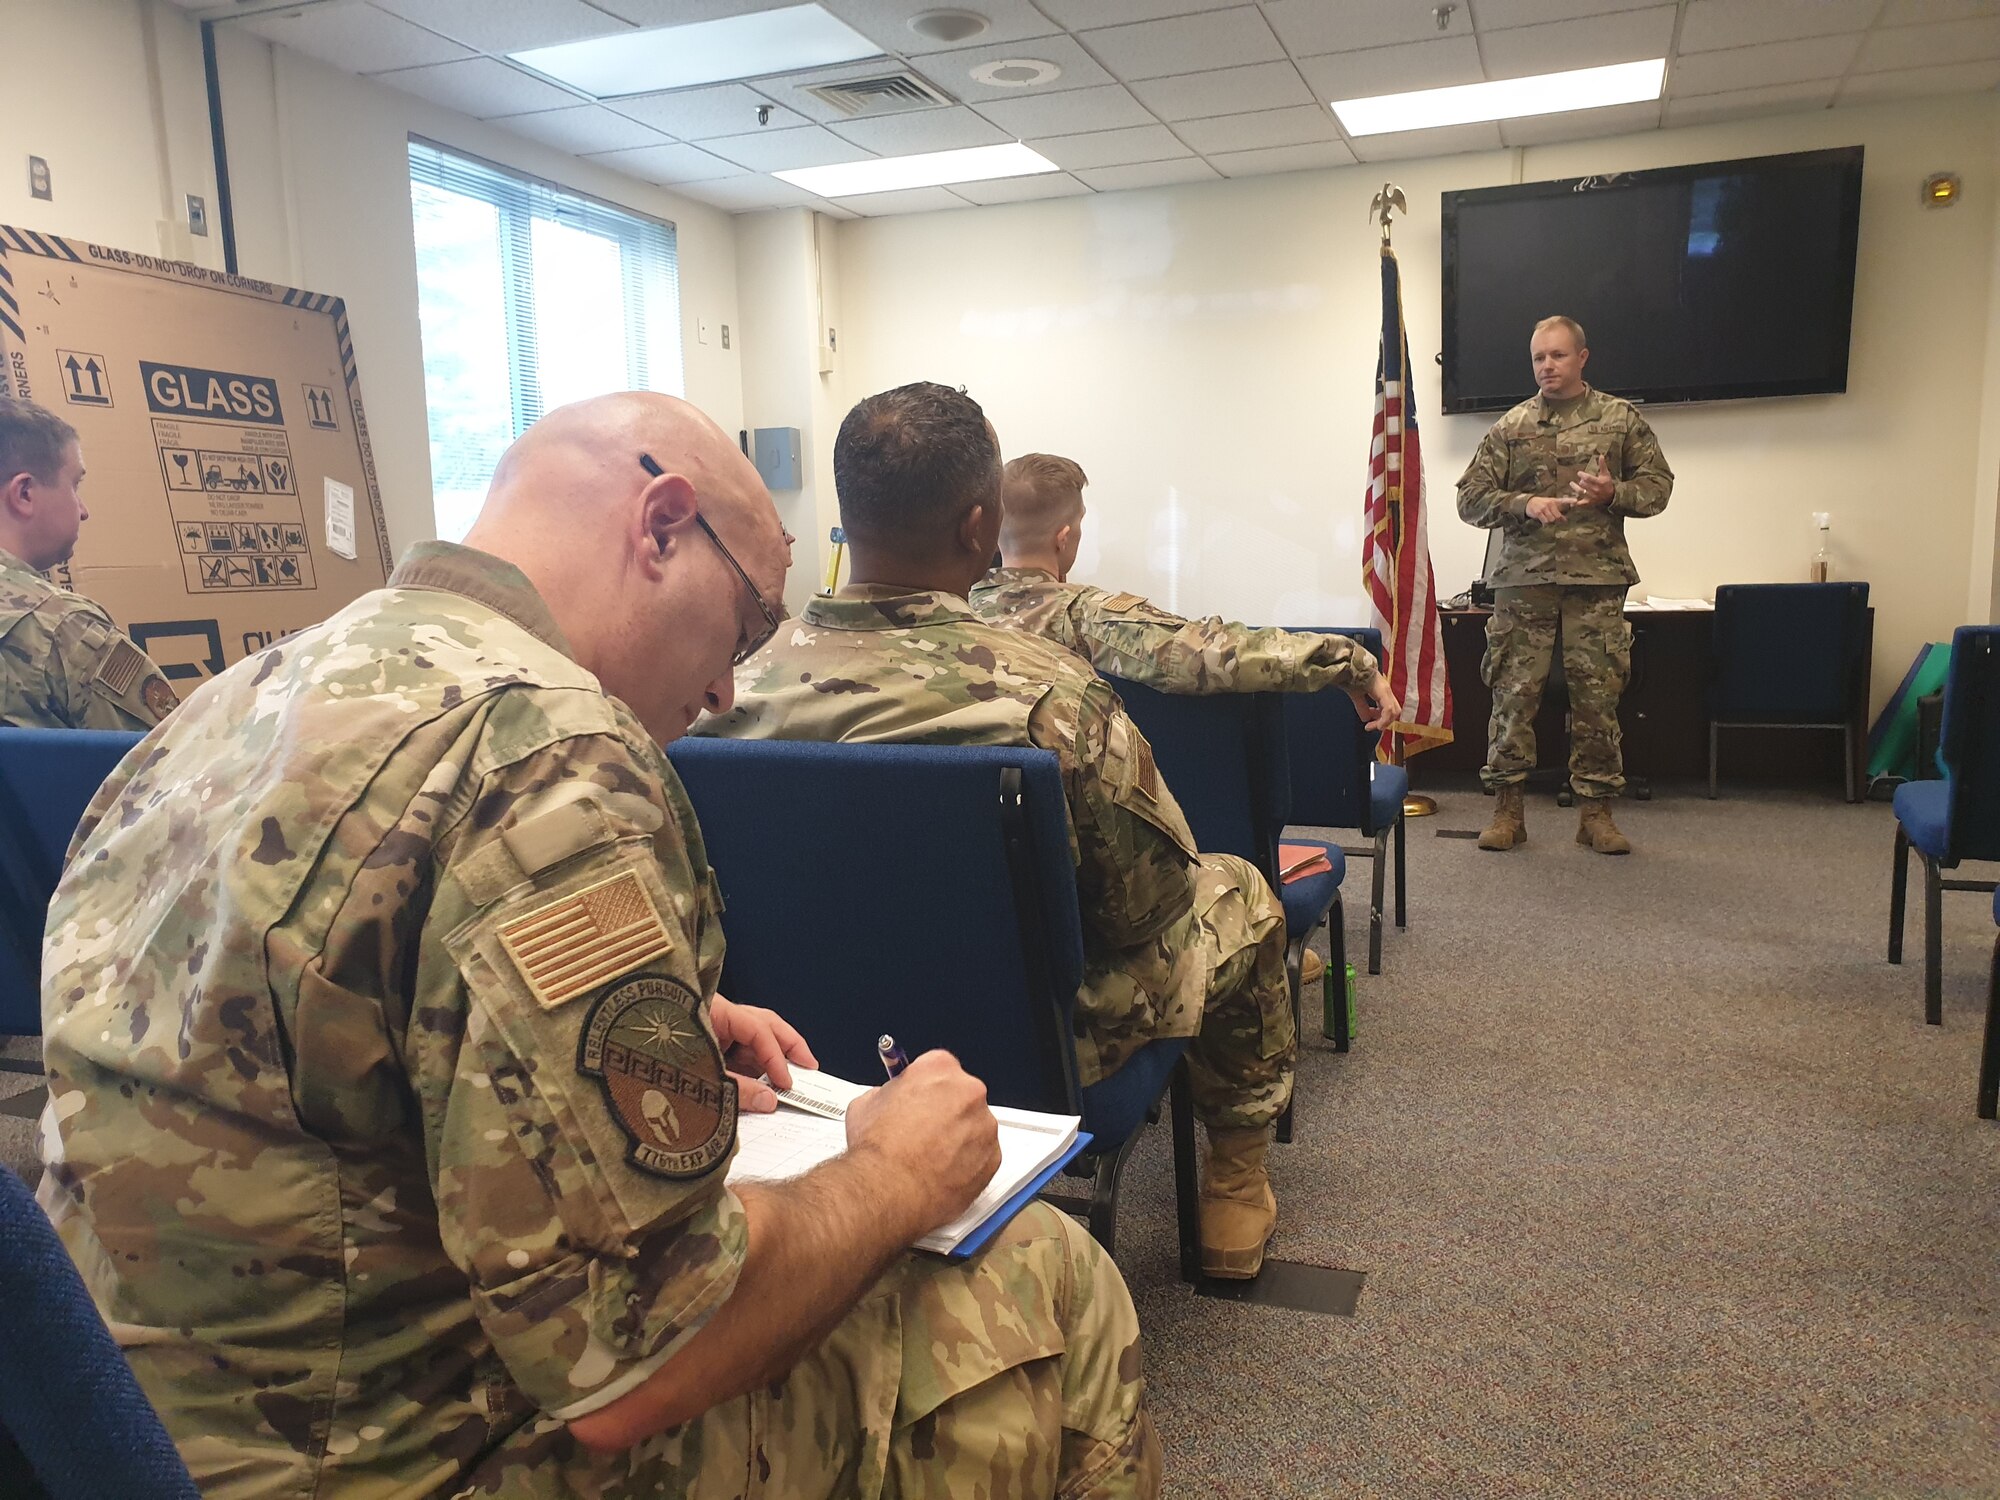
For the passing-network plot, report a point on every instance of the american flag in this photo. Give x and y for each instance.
(1396, 553)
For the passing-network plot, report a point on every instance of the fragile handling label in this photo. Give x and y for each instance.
(340, 518)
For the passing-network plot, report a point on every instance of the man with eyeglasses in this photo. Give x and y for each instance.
(391, 1100)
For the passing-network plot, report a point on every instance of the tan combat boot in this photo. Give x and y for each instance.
(1510, 821)
(1238, 1211)
(1597, 832)
(1311, 966)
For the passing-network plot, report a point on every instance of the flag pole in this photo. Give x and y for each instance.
(1386, 203)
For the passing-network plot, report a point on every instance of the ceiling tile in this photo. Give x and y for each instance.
(358, 38)
(1021, 189)
(1494, 15)
(479, 87)
(1449, 140)
(748, 193)
(952, 71)
(1444, 63)
(1759, 67)
(1594, 42)
(921, 130)
(782, 150)
(1077, 14)
(887, 22)
(908, 201)
(508, 25)
(1226, 91)
(1580, 124)
(1919, 83)
(1270, 127)
(1910, 12)
(652, 13)
(1310, 27)
(1730, 23)
(1185, 44)
(1783, 98)
(1929, 46)
(1067, 113)
(1147, 174)
(791, 89)
(669, 164)
(1282, 159)
(699, 114)
(582, 128)
(1111, 148)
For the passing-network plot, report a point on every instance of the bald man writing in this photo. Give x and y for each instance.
(392, 1100)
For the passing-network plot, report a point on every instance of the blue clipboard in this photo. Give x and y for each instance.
(973, 1243)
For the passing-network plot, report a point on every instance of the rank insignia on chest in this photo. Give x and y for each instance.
(572, 945)
(662, 1075)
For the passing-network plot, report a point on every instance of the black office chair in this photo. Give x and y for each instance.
(1791, 656)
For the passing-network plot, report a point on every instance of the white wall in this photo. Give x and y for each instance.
(1207, 353)
(112, 93)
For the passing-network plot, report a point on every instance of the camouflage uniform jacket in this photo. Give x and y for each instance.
(874, 664)
(1125, 636)
(64, 665)
(1536, 450)
(386, 1121)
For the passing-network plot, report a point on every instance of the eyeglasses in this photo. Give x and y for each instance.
(772, 618)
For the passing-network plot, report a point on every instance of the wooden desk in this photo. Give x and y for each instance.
(1664, 713)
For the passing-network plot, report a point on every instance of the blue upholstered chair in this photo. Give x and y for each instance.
(1989, 1052)
(1791, 656)
(929, 892)
(1223, 757)
(1956, 817)
(1337, 782)
(71, 1411)
(47, 778)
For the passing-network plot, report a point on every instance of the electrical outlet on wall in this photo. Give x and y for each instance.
(725, 335)
(39, 183)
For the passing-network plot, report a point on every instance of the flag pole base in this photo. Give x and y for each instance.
(1417, 805)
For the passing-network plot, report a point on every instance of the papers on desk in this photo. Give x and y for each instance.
(1655, 601)
(809, 1128)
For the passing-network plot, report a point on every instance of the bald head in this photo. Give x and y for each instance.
(645, 597)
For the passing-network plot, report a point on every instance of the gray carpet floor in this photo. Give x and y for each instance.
(1661, 1186)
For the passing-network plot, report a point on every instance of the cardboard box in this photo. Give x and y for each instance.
(230, 484)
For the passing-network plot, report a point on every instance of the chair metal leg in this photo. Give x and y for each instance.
(1713, 731)
(1899, 885)
(1402, 841)
(1989, 1055)
(1375, 902)
(1103, 1216)
(1295, 954)
(1847, 744)
(1933, 943)
(1336, 963)
(1187, 1183)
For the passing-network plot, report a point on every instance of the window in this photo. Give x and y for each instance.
(529, 297)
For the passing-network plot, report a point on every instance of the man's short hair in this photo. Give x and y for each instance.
(33, 440)
(1045, 476)
(1559, 321)
(909, 462)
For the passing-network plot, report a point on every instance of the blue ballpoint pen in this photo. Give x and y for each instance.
(893, 1060)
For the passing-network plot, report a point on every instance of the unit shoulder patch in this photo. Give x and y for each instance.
(662, 1074)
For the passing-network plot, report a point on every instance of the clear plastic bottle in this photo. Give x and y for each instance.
(1822, 563)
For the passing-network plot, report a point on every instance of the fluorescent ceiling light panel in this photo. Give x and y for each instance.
(1509, 99)
(673, 57)
(887, 174)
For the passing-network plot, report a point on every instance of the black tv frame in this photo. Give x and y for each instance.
(1846, 156)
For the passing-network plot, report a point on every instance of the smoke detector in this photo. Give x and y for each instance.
(1016, 73)
(949, 26)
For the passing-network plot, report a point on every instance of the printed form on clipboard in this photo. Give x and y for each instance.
(810, 1127)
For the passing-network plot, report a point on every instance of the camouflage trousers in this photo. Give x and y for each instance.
(1597, 659)
(1017, 1373)
(1240, 1063)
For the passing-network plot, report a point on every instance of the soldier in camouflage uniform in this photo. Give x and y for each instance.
(1123, 635)
(1176, 942)
(63, 664)
(1558, 476)
(391, 1100)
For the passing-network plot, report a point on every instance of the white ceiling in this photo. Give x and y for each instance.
(1150, 91)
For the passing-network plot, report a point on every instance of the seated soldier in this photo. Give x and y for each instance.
(63, 664)
(1122, 635)
(1176, 943)
(390, 1094)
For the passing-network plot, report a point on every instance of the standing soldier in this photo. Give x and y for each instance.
(1557, 476)
(63, 664)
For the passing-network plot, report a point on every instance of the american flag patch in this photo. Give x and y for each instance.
(571, 946)
(122, 668)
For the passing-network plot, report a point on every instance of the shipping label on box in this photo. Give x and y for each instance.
(219, 416)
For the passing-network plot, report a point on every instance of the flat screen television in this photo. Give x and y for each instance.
(1701, 283)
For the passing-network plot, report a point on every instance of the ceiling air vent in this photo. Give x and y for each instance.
(889, 94)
